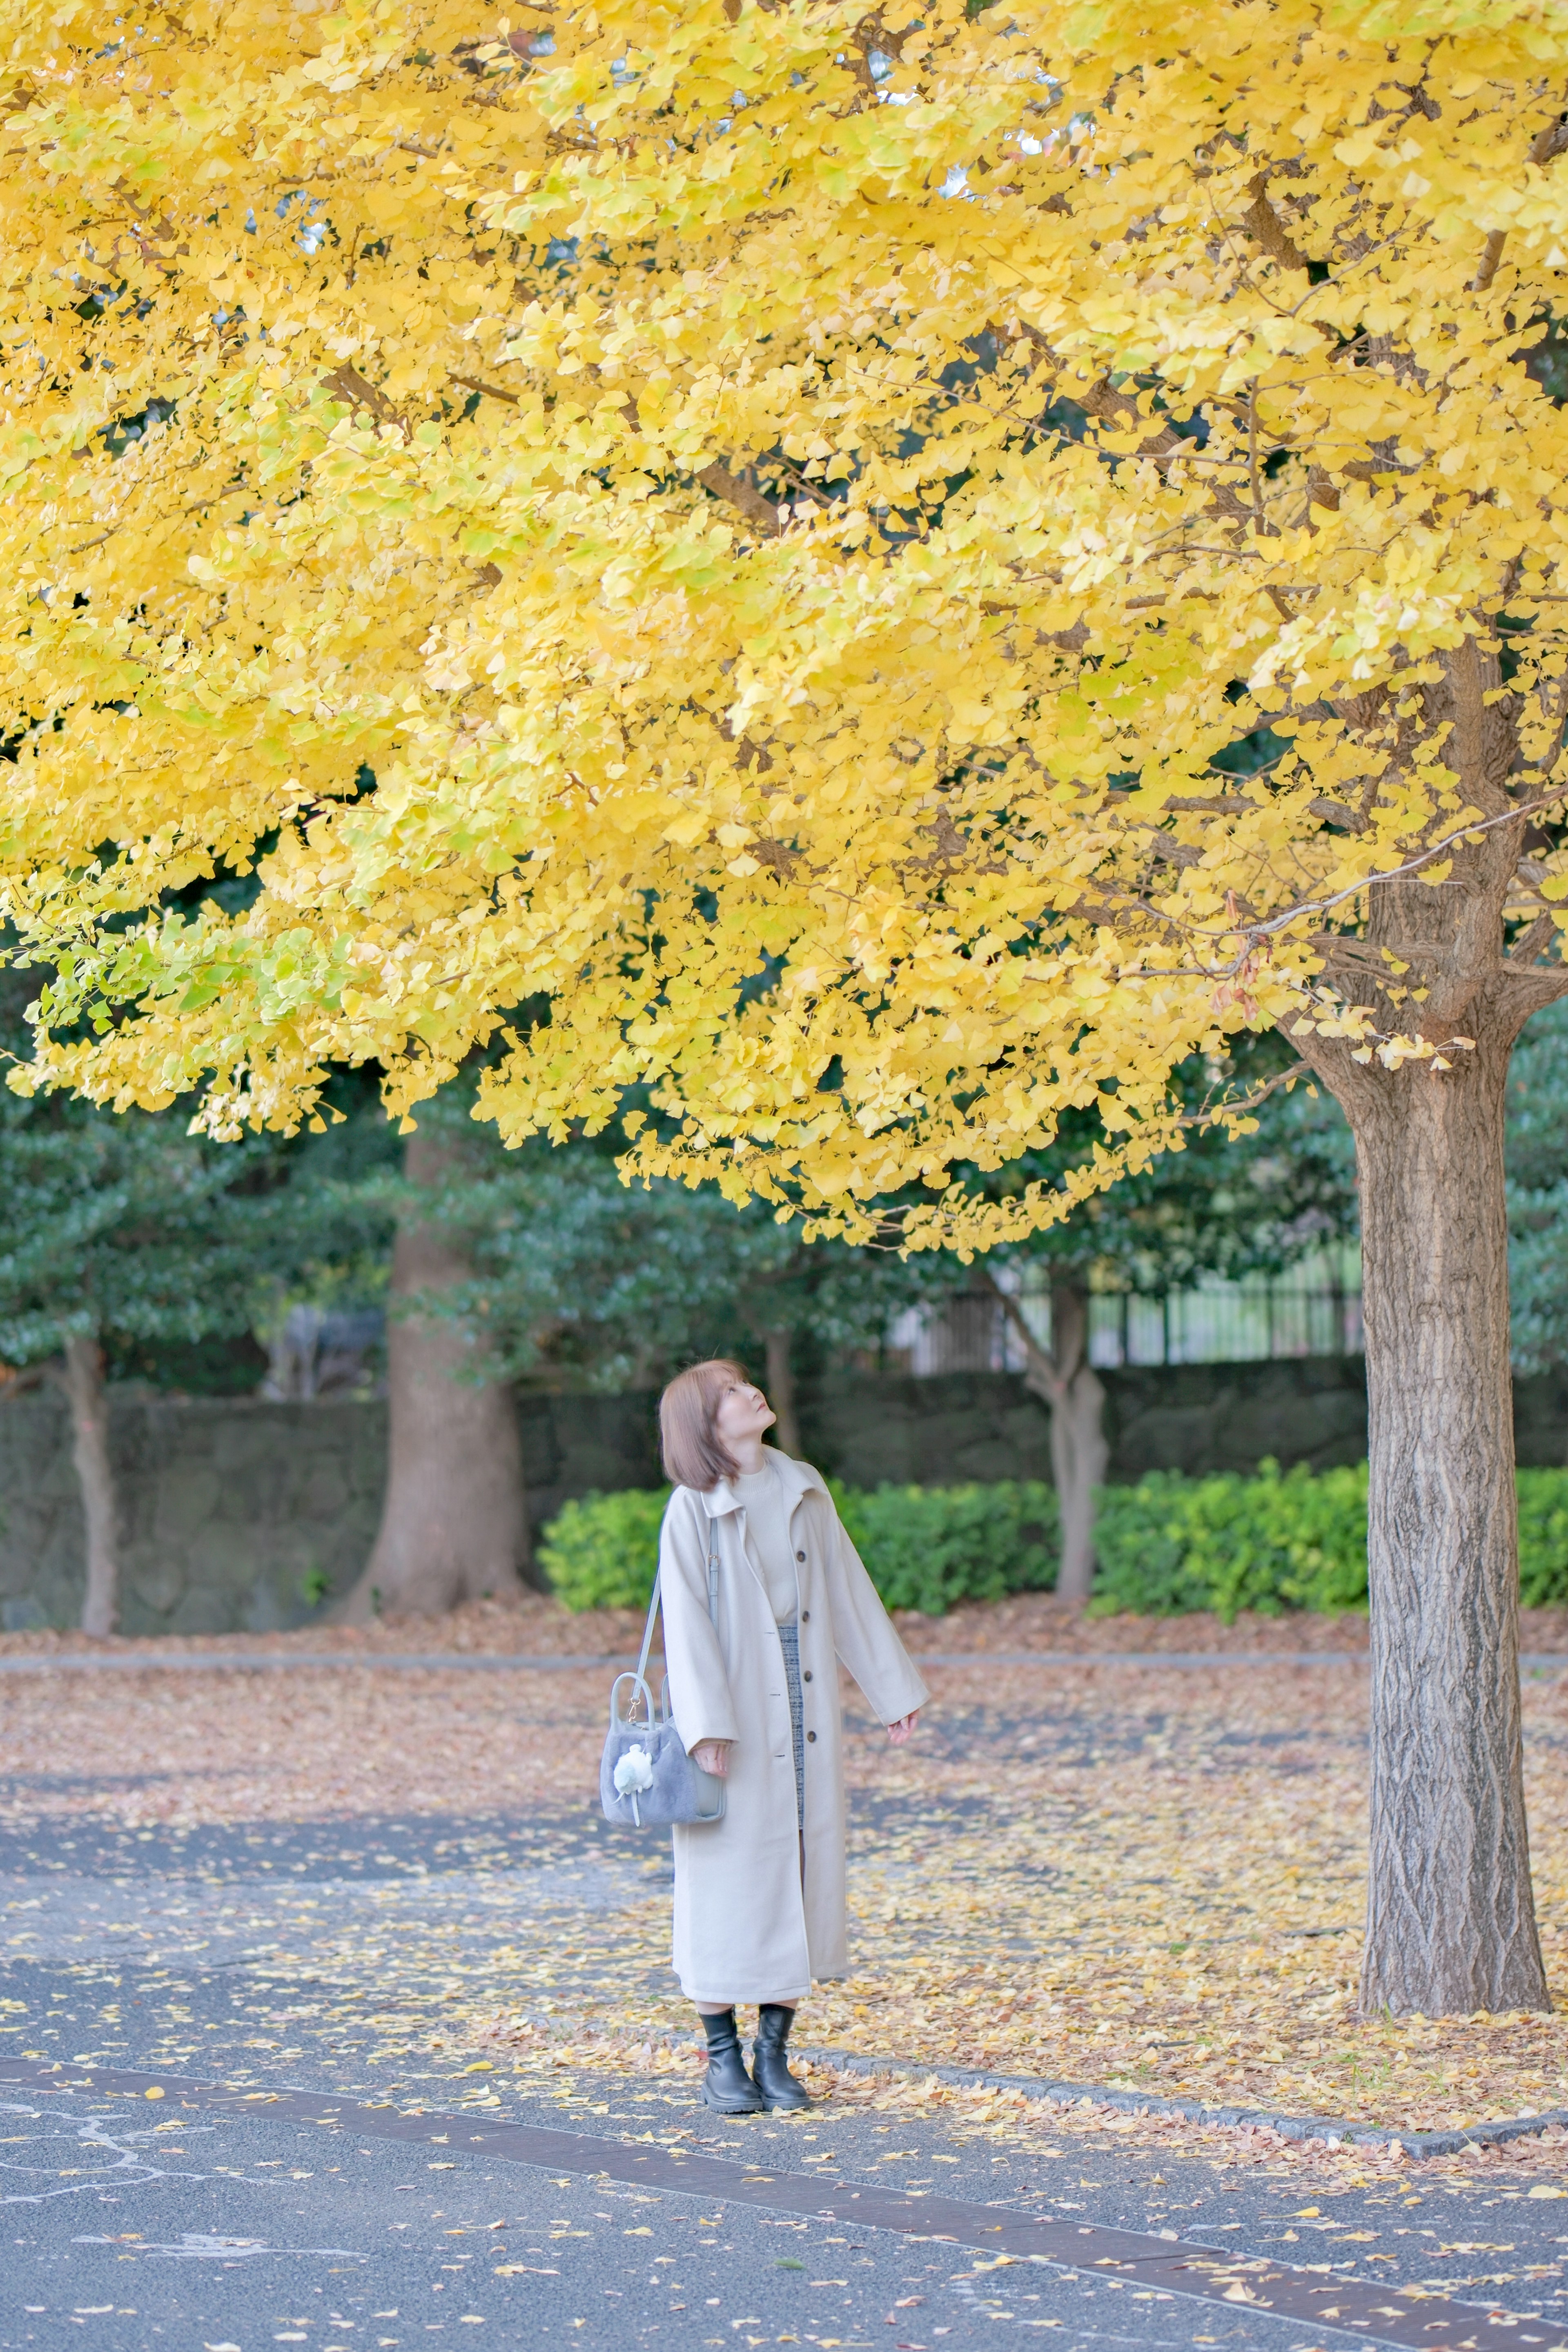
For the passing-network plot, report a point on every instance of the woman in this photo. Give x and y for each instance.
(760, 1896)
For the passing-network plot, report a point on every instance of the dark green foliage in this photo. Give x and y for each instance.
(925, 1547)
(1166, 1546)
(166, 1248)
(124, 1228)
(224, 1364)
(1231, 1207)
(1548, 361)
(1537, 1152)
(1270, 1543)
(581, 1278)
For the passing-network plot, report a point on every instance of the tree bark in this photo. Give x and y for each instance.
(781, 1394)
(1451, 1922)
(1065, 1381)
(1450, 1915)
(84, 1387)
(1079, 1454)
(454, 1521)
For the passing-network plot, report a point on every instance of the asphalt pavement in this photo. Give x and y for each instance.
(202, 2146)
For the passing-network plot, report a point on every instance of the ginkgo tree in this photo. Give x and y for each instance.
(725, 549)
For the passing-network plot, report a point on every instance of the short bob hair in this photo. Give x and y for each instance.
(695, 1454)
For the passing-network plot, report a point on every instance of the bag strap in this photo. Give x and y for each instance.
(653, 1600)
(648, 1630)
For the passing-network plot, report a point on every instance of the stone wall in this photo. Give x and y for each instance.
(1192, 1417)
(238, 1513)
(235, 1512)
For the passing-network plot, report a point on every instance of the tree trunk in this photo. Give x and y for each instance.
(1450, 1925)
(1450, 1915)
(1079, 1454)
(781, 1394)
(95, 1473)
(454, 1522)
(1065, 1381)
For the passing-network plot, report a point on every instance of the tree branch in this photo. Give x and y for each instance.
(1052, 1380)
(1265, 228)
(740, 490)
(1203, 1119)
(1257, 932)
(351, 385)
(1547, 142)
(491, 391)
(1531, 944)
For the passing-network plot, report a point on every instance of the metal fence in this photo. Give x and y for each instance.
(1312, 1309)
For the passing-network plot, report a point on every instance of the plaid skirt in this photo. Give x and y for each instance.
(789, 1641)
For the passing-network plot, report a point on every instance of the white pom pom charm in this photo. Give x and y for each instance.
(633, 1773)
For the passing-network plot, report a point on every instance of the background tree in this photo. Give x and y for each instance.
(454, 1522)
(1256, 1205)
(124, 1235)
(135, 1250)
(575, 1275)
(793, 561)
(1217, 1206)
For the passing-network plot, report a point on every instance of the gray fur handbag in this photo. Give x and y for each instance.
(646, 1780)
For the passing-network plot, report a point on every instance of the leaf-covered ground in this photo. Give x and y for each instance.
(1137, 1875)
(539, 1626)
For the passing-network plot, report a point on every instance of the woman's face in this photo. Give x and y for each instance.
(743, 1412)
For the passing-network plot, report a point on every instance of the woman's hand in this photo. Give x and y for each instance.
(713, 1756)
(904, 1728)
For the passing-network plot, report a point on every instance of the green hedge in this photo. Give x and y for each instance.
(1278, 1542)
(601, 1553)
(925, 1547)
(1542, 1537)
(1296, 1540)
(1270, 1543)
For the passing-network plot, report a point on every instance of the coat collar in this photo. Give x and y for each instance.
(797, 1478)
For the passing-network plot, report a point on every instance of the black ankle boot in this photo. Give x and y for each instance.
(727, 2085)
(769, 2062)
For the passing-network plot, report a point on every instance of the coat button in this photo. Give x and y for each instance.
(807, 1675)
(799, 1555)
(810, 1735)
(805, 1616)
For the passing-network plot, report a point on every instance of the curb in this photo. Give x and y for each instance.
(1533, 1661)
(1326, 2128)
(279, 1660)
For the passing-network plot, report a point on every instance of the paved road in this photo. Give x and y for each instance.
(388, 2204)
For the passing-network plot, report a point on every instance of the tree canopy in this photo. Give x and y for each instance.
(128, 1230)
(1224, 1205)
(883, 578)
(147, 1239)
(579, 1276)
(745, 531)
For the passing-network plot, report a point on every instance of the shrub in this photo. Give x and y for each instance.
(1272, 1543)
(601, 1552)
(1226, 1543)
(1542, 1537)
(923, 1546)
(928, 1546)
(1295, 1540)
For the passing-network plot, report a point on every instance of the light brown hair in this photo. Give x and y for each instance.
(695, 1454)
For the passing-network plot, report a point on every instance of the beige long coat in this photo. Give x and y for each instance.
(746, 1927)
